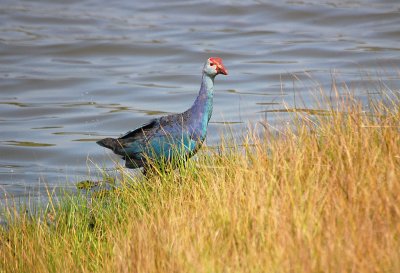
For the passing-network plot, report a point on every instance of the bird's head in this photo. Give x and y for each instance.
(214, 66)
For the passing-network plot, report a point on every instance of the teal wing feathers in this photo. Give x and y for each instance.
(165, 138)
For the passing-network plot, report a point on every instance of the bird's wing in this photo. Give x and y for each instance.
(138, 140)
(159, 138)
(159, 127)
(134, 142)
(141, 131)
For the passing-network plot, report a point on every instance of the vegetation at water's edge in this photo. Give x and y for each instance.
(322, 195)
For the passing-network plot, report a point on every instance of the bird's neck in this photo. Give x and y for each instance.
(203, 105)
(206, 92)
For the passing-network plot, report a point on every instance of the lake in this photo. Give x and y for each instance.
(73, 73)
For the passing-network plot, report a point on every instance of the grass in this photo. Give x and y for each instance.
(320, 195)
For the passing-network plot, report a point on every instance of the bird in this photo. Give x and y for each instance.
(171, 138)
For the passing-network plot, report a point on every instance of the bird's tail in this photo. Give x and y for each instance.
(110, 143)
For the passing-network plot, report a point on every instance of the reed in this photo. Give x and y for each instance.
(319, 195)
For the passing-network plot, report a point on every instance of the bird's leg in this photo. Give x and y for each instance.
(149, 171)
(145, 171)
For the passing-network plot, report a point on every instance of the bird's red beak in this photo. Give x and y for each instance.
(220, 67)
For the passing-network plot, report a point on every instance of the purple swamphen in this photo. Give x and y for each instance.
(173, 137)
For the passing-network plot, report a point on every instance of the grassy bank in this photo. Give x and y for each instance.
(322, 195)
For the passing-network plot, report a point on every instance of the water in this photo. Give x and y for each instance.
(74, 73)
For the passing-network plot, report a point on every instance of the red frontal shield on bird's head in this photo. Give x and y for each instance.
(220, 66)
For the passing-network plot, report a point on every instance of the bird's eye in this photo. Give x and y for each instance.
(211, 64)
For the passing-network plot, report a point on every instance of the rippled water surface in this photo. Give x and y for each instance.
(73, 73)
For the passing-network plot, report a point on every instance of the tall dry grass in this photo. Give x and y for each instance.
(320, 195)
